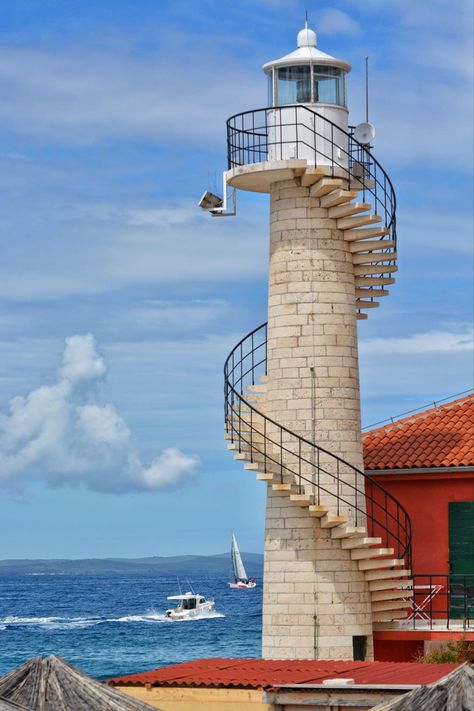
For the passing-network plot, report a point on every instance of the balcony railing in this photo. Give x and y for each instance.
(441, 601)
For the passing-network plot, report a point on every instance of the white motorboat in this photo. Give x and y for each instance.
(239, 575)
(189, 605)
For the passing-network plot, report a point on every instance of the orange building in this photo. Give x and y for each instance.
(426, 461)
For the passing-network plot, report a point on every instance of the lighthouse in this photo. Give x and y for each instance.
(337, 545)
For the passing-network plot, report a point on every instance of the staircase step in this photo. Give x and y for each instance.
(263, 378)
(389, 615)
(364, 246)
(365, 553)
(374, 281)
(351, 543)
(376, 585)
(311, 176)
(359, 185)
(374, 257)
(251, 466)
(283, 487)
(391, 605)
(348, 531)
(338, 197)
(258, 388)
(242, 456)
(356, 235)
(265, 476)
(386, 574)
(328, 521)
(381, 595)
(375, 563)
(361, 317)
(352, 208)
(364, 304)
(317, 510)
(301, 499)
(325, 186)
(369, 293)
(384, 269)
(349, 223)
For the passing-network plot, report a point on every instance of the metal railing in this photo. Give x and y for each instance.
(441, 601)
(276, 132)
(296, 460)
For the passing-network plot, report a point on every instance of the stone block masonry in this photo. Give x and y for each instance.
(313, 390)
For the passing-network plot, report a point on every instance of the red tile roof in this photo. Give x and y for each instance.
(265, 673)
(439, 437)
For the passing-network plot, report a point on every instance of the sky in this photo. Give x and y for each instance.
(120, 299)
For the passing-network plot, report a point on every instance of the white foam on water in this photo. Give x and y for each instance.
(150, 616)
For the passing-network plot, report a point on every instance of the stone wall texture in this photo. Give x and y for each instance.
(315, 598)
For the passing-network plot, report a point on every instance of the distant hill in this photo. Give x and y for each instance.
(157, 564)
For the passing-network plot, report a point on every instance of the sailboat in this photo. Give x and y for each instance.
(240, 578)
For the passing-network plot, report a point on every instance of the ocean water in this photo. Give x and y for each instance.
(115, 624)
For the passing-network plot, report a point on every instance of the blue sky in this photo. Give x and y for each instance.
(112, 122)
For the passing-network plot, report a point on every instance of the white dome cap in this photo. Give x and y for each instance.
(307, 53)
(306, 37)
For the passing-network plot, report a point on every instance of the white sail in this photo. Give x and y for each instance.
(237, 565)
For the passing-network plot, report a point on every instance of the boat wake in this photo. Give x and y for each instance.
(60, 623)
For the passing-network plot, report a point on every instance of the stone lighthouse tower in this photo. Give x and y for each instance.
(337, 545)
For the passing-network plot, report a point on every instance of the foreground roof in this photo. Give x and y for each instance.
(266, 673)
(58, 686)
(6, 705)
(456, 691)
(439, 437)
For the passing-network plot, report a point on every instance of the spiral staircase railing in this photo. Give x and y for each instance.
(273, 132)
(290, 456)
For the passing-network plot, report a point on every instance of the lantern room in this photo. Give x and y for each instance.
(307, 75)
(315, 80)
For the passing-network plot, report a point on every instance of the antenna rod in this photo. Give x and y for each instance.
(367, 88)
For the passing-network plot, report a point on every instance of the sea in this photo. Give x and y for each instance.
(113, 624)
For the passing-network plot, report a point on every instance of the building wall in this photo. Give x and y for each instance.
(180, 698)
(426, 498)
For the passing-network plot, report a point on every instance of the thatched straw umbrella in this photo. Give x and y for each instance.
(54, 685)
(11, 706)
(454, 692)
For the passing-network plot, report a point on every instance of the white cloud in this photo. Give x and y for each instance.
(133, 245)
(81, 95)
(428, 342)
(331, 21)
(63, 435)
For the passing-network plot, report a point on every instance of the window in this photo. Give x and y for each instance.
(294, 85)
(328, 85)
(308, 84)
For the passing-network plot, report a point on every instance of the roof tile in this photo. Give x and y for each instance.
(439, 437)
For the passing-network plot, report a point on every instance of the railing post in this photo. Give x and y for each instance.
(281, 455)
(319, 482)
(355, 495)
(299, 463)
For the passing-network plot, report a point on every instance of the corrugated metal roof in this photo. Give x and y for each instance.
(439, 437)
(265, 673)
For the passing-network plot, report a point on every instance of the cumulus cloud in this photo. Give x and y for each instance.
(62, 434)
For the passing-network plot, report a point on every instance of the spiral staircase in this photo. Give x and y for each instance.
(369, 523)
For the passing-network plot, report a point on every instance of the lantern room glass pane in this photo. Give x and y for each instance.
(294, 85)
(329, 85)
(270, 89)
